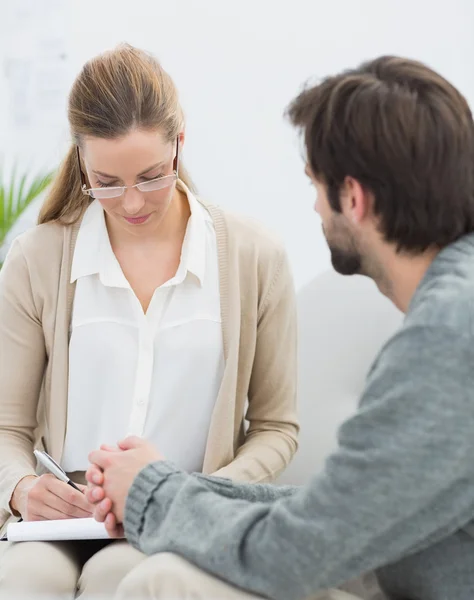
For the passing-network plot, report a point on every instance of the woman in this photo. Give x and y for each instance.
(134, 308)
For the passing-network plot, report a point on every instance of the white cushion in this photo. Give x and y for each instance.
(343, 323)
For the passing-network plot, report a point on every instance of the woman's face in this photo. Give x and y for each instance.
(137, 157)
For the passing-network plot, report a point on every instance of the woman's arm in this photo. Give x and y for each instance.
(22, 364)
(271, 439)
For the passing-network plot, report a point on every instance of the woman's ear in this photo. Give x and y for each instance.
(181, 138)
(82, 169)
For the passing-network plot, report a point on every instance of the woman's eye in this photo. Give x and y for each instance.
(145, 179)
(103, 185)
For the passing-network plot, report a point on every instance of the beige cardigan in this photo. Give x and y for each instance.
(259, 335)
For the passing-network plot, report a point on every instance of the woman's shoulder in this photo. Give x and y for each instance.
(42, 242)
(40, 250)
(247, 234)
(33, 263)
(257, 253)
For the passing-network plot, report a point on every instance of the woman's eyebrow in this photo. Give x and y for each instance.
(102, 174)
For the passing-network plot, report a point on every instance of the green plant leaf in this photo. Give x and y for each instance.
(16, 194)
(2, 212)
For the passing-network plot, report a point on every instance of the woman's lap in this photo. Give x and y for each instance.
(61, 568)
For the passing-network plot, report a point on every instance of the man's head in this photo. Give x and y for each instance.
(390, 149)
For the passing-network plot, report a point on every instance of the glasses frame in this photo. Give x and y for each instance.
(90, 191)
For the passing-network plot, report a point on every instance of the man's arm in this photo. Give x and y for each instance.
(402, 478)
(251, 492)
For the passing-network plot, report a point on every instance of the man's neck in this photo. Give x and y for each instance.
(402, 274)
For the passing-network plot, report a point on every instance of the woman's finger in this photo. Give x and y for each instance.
(69, 511)
(67, 494)
(46, 513)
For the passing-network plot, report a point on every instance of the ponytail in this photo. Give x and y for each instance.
(65, 202)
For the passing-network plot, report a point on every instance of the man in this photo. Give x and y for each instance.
(390, 151)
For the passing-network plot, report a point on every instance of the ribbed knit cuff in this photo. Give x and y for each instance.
(140, 494)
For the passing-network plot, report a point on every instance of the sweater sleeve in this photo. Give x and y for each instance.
(271, 438)
(22, 364)
(401, 479)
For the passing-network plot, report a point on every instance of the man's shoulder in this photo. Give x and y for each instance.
(439, 325)
(446, 301)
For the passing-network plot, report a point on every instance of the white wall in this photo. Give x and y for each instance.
(35, 77)
(237, 65)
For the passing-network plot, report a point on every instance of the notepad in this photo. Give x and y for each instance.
(48, 531)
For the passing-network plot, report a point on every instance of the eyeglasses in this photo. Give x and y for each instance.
(153, 185)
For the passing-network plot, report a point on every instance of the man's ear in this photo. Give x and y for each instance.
(356, 202)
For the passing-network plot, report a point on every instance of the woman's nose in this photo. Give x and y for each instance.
(133, 201)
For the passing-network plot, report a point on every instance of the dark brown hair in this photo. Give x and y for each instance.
(115, 92)
(407, 135)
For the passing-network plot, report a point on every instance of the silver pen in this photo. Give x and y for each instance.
(52, 466)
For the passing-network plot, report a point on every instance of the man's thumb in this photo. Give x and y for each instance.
(131, 442)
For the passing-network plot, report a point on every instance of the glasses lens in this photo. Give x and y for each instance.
(157, 184)
(106, 193)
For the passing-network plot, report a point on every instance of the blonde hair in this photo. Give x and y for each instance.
(115, 92)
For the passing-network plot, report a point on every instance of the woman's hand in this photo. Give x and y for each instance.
(46, 498)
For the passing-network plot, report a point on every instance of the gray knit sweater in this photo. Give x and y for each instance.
(397, 496)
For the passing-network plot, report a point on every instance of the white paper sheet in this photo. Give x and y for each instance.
(66, 529)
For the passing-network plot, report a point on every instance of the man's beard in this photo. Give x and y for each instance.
(345, 257)
(346, 262)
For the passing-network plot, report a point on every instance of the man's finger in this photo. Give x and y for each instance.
(94, 475)
(95, 494)
(102, 510)
(131, 442)
(101, 458)
(108, 448)
(112, 528)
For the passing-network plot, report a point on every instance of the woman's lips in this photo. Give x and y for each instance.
(137, 220)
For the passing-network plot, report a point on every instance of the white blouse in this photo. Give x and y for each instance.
(155, 375)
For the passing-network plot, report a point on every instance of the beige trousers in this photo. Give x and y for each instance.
(169, 577)
(88, 570)
(101, 570)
